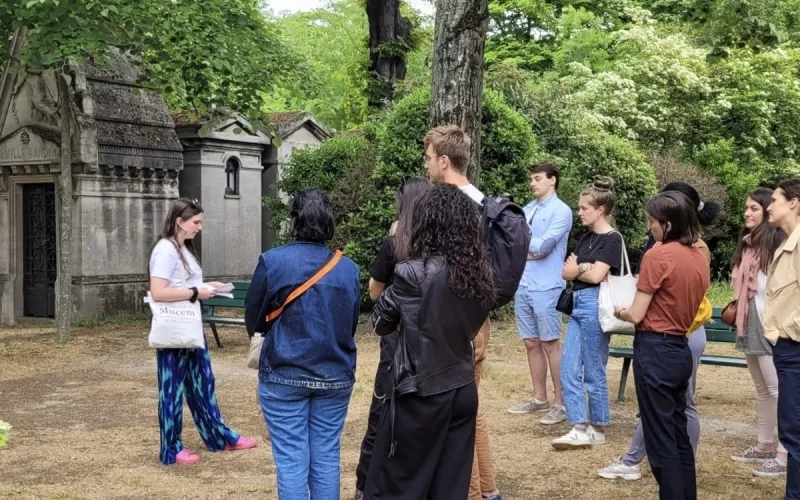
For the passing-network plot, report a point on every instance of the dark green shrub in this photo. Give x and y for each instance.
(362, 190)
(342, 166)
(596, 152)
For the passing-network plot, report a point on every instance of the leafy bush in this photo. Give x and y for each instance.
(342, 166)
(669, 167)
(362, 190)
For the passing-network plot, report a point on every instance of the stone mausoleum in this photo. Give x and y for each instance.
(130, 160)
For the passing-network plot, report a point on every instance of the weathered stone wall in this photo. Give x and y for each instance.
(118, 216)
(231, 239)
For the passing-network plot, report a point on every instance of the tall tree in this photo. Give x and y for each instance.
(389, 41)
(459, 41)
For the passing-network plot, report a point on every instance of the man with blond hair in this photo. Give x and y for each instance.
(447, 154)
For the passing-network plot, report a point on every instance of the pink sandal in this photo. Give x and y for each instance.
(242, 444)
(186, 457)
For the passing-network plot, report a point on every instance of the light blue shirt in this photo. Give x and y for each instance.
(551, 222)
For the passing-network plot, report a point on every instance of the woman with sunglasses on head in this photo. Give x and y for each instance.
(672, 283)
(382, 275)
(175, 275)
(750, 264)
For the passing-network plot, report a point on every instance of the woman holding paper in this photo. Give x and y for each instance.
(174, 276)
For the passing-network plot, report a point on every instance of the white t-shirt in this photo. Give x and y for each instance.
(473, 193)
(165, 263)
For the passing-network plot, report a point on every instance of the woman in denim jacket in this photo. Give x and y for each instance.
(308, 359)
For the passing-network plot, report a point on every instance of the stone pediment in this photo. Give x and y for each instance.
(233, 128)
(117, 122)
(27, 147)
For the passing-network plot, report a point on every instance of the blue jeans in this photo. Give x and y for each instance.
(786, 355)
(583, 362)
(305, 426)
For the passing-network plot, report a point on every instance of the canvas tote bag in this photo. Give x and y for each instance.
(176, 325)
(617, 291)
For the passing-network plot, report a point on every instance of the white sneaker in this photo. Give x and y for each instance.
(597, 436)
(616, 469)
(575, 438)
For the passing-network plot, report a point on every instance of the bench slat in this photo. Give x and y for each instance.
(224, 302)
(223, 320)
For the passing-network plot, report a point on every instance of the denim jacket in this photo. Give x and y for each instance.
(311, 344)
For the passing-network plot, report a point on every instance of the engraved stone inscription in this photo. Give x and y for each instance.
(27, 147)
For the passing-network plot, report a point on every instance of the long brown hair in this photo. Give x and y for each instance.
(447, 223)
(764, 238)
(405, 199)
(184, 209)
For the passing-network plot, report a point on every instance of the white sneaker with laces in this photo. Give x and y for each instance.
(575, 438)
(597, 436)
(556, 415)
(616, 469)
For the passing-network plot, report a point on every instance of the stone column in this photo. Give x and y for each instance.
(6, 285)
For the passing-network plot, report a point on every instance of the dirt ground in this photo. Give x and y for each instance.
(84, 417)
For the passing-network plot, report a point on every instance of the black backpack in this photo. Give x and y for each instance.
(508, 237)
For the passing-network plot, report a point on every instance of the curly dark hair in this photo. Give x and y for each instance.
(448, 223)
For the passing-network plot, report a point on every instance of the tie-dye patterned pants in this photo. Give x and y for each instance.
(188, 371)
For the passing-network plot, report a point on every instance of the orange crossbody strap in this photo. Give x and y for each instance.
(300, 290)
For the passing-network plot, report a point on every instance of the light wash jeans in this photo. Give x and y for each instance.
(636, 452)
(583, 362)
(305, 426)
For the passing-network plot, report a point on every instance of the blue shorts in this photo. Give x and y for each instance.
(536, 314)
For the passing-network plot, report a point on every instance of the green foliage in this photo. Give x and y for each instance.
(589, 153)
(342, 166)
(202, 56)
(213, 54)
(346, 168)
(332, 42)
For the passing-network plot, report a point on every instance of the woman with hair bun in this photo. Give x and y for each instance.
(583, 362)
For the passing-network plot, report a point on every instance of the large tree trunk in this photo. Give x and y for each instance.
(64, 299)
(458, 46)
(388, 43)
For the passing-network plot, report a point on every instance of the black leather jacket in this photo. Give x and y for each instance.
(436, 325)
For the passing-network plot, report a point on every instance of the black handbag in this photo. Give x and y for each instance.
(564, 303)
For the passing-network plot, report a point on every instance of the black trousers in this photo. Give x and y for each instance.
(662, 366)
(388, 346)
(435, 444)
(786, 355)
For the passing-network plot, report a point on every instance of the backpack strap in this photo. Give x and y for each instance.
(300, 290)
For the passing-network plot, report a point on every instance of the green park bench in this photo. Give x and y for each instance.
(211, 305)
(716, 331)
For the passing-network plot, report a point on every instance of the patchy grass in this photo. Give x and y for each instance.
(720, 293)
(85, 426)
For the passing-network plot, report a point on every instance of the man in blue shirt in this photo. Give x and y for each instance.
(538, 322)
